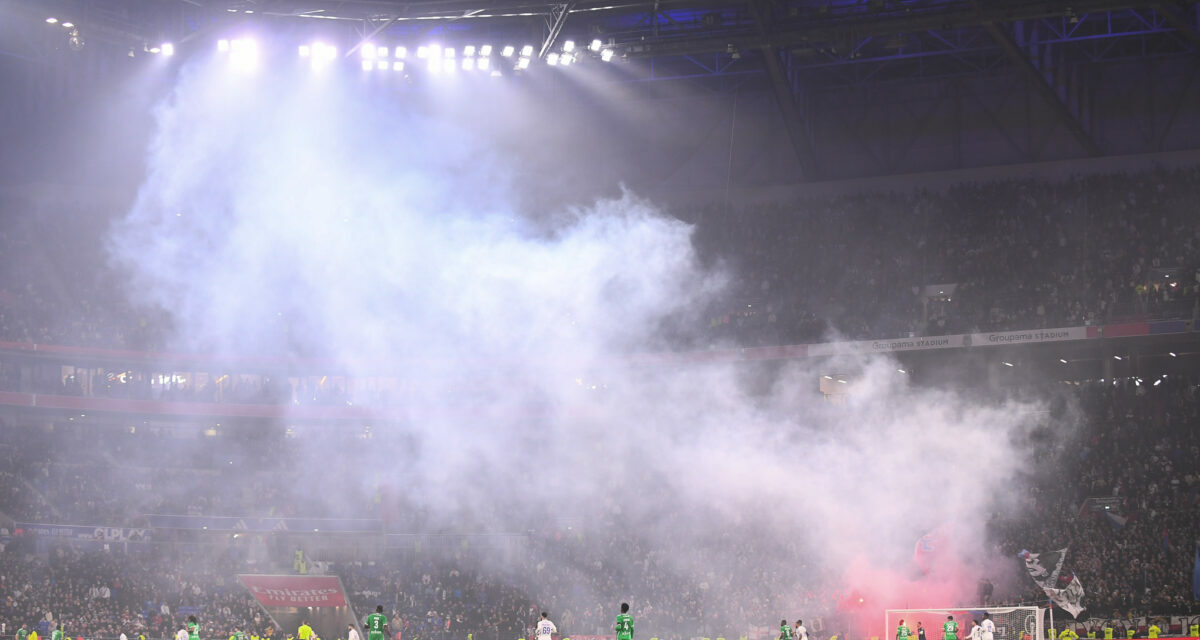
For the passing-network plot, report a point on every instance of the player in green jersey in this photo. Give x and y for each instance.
(238, 634)
(950, 629)
(903, 632)
(22, 633)
(624, 626)
(785, 632)
(193, 628)
(57, 634)
(377, 625)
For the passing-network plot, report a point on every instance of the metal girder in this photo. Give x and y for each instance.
(558, 17)
(1185, 30)
(1048, 93)
(785, 97)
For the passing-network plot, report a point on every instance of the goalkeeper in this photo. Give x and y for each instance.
(903, 632)
(949, 629)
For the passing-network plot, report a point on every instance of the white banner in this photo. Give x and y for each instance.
(886, 346)
(1026, 337)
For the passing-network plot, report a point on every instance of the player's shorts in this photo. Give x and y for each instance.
(374, 635)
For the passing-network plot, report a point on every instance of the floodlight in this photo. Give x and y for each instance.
(449, 65)
(596, 44)
(367, 65)
(51, 20)
(606, 55)
(566, 59)
(484, 63)
(244, 53)
(435, 50)
(507, 51)
(382, 51)
(422, 52)
(527, 50)
(382, 65)
(168, 49)
(222, 45)
(569, 46)
(485, 50)
(435, 65)
(367, 50)
(552, 59)
(68, 25)
(154, 50)
(469, 50)
(468, 64)
(397, 66)
(523, 63)
(449, 52)
(305, 51)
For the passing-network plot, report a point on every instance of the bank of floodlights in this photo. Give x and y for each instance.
(244, 53)
(382, 58)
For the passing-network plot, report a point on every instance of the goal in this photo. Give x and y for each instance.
(1012, 623)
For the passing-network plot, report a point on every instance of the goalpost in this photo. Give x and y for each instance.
(1012, 623)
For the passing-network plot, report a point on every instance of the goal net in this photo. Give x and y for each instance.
(1012, 623)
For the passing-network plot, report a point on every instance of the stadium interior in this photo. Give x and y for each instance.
(732, 310)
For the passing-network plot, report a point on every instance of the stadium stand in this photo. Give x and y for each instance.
(1138, 445)
(1032, 254)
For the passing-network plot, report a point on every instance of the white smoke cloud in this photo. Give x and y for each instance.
(285, 214)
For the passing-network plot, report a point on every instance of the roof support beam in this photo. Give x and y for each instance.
(785, 96)
(1043, 87)
(558, 17)
(1186, 30)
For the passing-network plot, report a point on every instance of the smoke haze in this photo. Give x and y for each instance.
(309, 217)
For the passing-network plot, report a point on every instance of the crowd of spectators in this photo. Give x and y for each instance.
(1019, 254)
(977, 257)
(1141, 446)
(102, 593)
(1138, 448)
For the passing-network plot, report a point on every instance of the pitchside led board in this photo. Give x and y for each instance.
(290, 600)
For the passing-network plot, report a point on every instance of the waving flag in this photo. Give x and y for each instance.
(1045, 568)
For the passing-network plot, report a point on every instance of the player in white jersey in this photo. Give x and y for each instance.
(182, 634)
(976, 632)
(989, 627)
(545, 628)
(801, 632)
